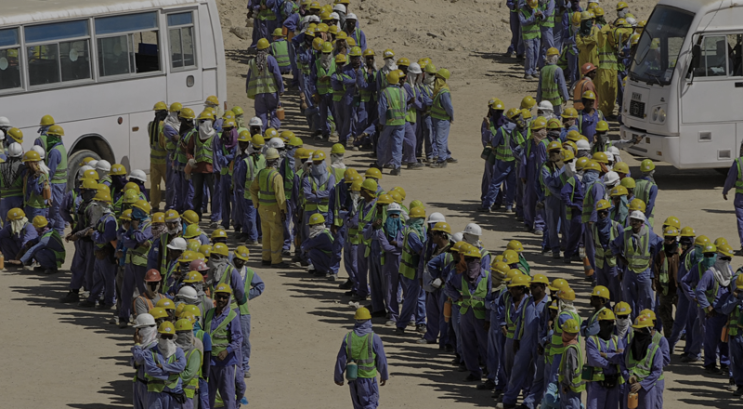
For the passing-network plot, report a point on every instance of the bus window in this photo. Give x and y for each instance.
(735, 66)
(181, 34)
(127, 44)
(713, 57)
(51, 60)
(10, 72)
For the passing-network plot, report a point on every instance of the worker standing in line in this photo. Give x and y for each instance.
(734, 179)
(642, 364)
(36, 186)
(571, 24)
(552, 85)
(571, 367)
(413, 248)
(88, 214)
(267, 193)
(254, 287)
(604, 232)
(533, 158)
(442, 116)
(200, 152)
(171, 129)
(225, 151)
(187, 131)
(606, 76)
(589, 117)
(316, 189)
(667, 264)
(162, 369)
(494, 301)
(321, 73)
(566, 311)
(604, 388)
(193, 352)
(415, 103)
(265, 85)
(145, 339)
(137, 242)
(226, 335)
(731, 305)
(362, 357)
(635, 250)
(12, 173)
(551, 176)
(694, 267)
(318, 247)
(588, 72)
(104, 240)
(56, 160)
(508, 144)
(253, 163)
(572, 197)
(529, 16)
(546, 21)
(155, 130)
(391, 109)
(280, 50)
(646, 189)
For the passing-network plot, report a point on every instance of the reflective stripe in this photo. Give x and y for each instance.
(280, 51)
(412, 114)
(60, 174)
(396, 105)
(597, 371)
(220, 335)
(550, 20)
(260, 82)
(476, 300)
(557, 347)
(362, 346)
(266, 178)
(588, 202)
(323, 88)
(30, 197)
(639, 259)
(642, 192)
(642, 369)
(11, 188)
(158, 385)
(322, 207)
(576, 382)
(249, 273)
(180, 151)
(253, 168)
(339, 93)
(437, 110)
(550, 92)
(203, 150)
(739, 181)
(138, 255)
(601, 254)
(529, 31)
(157, 152)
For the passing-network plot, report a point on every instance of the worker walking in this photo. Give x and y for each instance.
(265, 85)
(552, 85)
(529, 17)
(605, 231)
(362, 357)
(267, 193)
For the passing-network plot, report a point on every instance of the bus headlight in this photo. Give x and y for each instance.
(659, 115)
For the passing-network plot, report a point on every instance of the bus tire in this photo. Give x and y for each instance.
(75, 162)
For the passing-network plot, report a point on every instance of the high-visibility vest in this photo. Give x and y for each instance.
(601, 255)
(11, 188)
(220, 335)
(364, 94)
(711, 293)
(739, 181)
(190, 386)
(639, 259)
(101, 228)
(267, 14)
(511, 323)
(597, 371)
(575, 382)
(642, 192)
(60, 174)
(412, 114)
(569, 211)
(138, 255)
(529, 31)
(364, 219)
(254, 166)
(588, 202)
(642, 369)
(157, 151)
(324, 88)
(249, 273)
(409, 262)
(476, 300)
(31, 198)
(260, 82)
(360, 349)
(550, 20)
(58, 255)
(322, 207)
(556, 347)
(437, 109)
(607, 52)
(203, 150)
(159, 385)
(266, 177)
(180, 151)
(280, 51)
(396, 106)
(339, 93)
(550, 92)
(504, 151)
(226, 279)
(735, 326)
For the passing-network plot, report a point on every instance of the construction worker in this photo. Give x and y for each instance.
(529, 16)
(571, 366)
(413, 248)
(170, 131)
(56, 161)
(470, 289)
(667, 264)
(572, 196)
(552, 85)
(280, 50)
(416, 102)
(439, 266)
(635, 251)
(608, 47)
(238, 183)
(734, 179)
(550, 181)
(442, 116)
(565, 312)
(267, 193)
(193, 351)
(163, 365)
(187, 131)
(589, 117)
(254, 287)
(546, 19)
(15, 236)
(321, 73)
(588, 72)
(145, 339)
(534, 156)
(604, 388)
(265, 85)
(88, 214)
(366, 115)
(318, 246)
(604, 232)
(104, 238)
(46, 249)
(226, 336)
(587, 40)
(35, 186)
(730, 305)
(316, 189)
(254, 163)
(364, 215)
(508, 143)
(510, 322)
(642, 364)
(225, 151)
(362, 357)
(712, 286)
(392, 107)
(137, 242)
(490, 124)
(152, 295)
(157, 152)
(646, 189)
(343, 85)
(200, 152)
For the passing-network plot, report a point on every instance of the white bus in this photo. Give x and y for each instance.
(99, 66)
(684, 93)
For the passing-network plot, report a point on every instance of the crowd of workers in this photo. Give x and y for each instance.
(187, 294)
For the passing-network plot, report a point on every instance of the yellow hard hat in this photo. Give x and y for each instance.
(430, 69)
(176, 107)
(540, 279)
(602, 126)
(244, 136)
(193, 245)
(538, 124)
(143, 205)
(369, 53)
(104, 195)
(571, 326)
(373, 173)
(220, 249)
(400, 190)
(637, 204)
(618, 190)
(211, 100)
(647, 165)
(598, 11)
(187, 113)
(570, 113)
(443, 73)
(183, 324)
(643, 321)
(340, 59)
(576, 19)
(327, 47)
(558, 284)
(532, 3)
(393, 77)
(520, 281)
(190, 217)
(673, 221)
(567, 294)
(635, 39)
(500, 267)
(318, 155)
(603, 205)
(337, 149)
(117, 169)
(468, 250)
(589, 95)
(160, 106)
(600, 157)
(166, 328)
(592, 165)
(370, 185)
(552, 51)
(243, 253)
(621, 167)
(573, 136)
(355, 51)
(206, 250)
(739, 281)
(31, 156)
(277, 32)
(388, 53)
(709, 248)
(356, 185)
(513, 273)
(263, 44)
(404, 62)
(317, 218)
(39, 222)
(622, 308)
(126, 215)
(193, 230)
(93, 175)
(726, 250)
(295, 141)
(46, 120)
(554, 123)
(417, 213)
(628, 182)
(688, 232)
(158, 313)
(701, 240)
(528, 102)
(362, 314)
(606, 315)
(385, 199)
(442, 226)
(496, 104)
(568, 149)
(600, 291)
(554, 145)
(526, 114)
(223, 288)
(90, 184)
(206, 114)
(218, 234)
(53, 130)
(165, 304)
(513, 113)
(621, 5)
(510, 257)
(515, 245)
(415, 203)
(586, 15)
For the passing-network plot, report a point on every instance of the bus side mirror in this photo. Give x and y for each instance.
(696, 53)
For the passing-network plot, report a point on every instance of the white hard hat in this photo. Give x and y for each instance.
(178, 243)
(276, 143)
(436, 217)
(271, 154)
(38, 149)
(614, 150)
(611, 179)
(144, 320)
(638, 215)
(545, 106)
(609, 156)
(255, 121)
(583, 145)
(314, 19)
(83, 169)
(394, 206)
(138, 174)
(15, 150)
(92, 163)
(4, 121)
(474, 229)
(458, 236)
(338, 7)
(632, 21)
(351, 16)
(103, 166)
(188, 293)
(414, 68)
(335, 16)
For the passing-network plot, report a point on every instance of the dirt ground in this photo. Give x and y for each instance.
(59, 355)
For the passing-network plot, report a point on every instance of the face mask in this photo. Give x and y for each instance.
(166, 347)
(698, 252)
(708, 262)
(622, 325)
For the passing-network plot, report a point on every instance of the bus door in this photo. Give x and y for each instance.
(184, 77)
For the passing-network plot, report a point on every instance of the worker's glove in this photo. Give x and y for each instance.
(436, 283)
(192, 162)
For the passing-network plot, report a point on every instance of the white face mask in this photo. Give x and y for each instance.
(623, 325)
(389, 63)
(166, 347)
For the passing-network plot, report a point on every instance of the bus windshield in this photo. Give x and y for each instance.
(660, 45)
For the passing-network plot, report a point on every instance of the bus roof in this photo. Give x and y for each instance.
(701, 6)
(15, 12)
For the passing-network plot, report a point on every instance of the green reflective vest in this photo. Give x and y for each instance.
(550, 91)
(339, 93)
(550, 20)
(475, 300)
(642, 369)
(58, 255)
(158, 385)
(360, 349)
(138, 255)
(588, 203)
(11, 188)
(437, 109)
(356, 234)
(260, 82)
(410, 260)
(638, 257)
(190, 385)
(267, 14)
(157, 152)
(602, 255)
(396, 106)
(254, 166)
(180, 151)
(288, 176)
(576, 381)
(504, 152)
(220, 335)
(412, 114)
(32, 199)
(710, 294)
(642, 192)
(556, 347)
(739, 181)
(569, 210)
(60, 174)
(323, 87)
(249, 273)
(322, 207)
(266, 195)
(511, 323)
(529, 31)
(280, 51)
(735, 326)
(203, 150)
(597, 372)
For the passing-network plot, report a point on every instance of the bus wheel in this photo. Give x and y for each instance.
(75, 162)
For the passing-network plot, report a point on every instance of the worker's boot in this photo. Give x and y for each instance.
(71, 297)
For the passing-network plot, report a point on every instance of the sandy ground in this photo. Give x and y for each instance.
(59, 355)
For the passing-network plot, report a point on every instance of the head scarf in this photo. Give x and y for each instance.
(362, 328)
(166, 347)
(439, 85)
(418, 225)
(393, 225)
(10, 170)
(473, 270)
(563, 305)
(316, 230)
(184, 339)
(173, 121)
(326, 60)
(336, 161)
(260, 60)
(16, 226)
(606, 329)
(722, 271)
(320, 173)
(206, 130)
(472, 239)
(640, 342)
(138, 214)
(622, 326)
(148, 334)
(229, 139)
